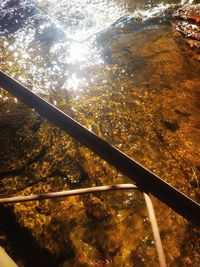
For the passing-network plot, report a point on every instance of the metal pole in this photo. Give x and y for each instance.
(145, 180)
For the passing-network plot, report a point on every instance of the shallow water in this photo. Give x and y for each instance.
(116, 67)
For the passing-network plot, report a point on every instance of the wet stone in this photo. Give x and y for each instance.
(186, 25)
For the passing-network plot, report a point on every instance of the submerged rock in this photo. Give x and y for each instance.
(171, 125)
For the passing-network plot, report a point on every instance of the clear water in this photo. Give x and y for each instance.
(116, 67)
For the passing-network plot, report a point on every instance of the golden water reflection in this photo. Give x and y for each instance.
(131, 85)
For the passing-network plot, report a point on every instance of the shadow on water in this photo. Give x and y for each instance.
(23, 246)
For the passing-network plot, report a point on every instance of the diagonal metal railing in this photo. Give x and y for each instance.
(145, 180)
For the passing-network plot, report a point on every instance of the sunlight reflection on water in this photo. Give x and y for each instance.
(74, 83)
(80, 19)
(58, 42)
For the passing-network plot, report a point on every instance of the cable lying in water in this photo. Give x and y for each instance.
(67, 193)
(155, 230)
(81, 191)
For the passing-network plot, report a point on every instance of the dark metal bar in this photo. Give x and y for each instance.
(145, 180)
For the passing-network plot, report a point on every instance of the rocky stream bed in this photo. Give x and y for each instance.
(137, 88)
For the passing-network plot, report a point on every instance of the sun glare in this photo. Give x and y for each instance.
(78, 52)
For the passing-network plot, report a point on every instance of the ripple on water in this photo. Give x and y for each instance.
(122, 84)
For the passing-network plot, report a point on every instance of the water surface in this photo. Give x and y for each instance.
(116, 67)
